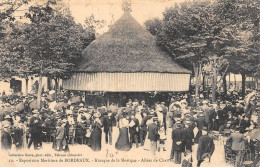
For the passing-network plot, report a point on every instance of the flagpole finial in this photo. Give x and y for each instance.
(126, 6)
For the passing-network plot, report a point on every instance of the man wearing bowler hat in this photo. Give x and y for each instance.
(177, 142)
(108, 122)
(153, 135)
(34, 127)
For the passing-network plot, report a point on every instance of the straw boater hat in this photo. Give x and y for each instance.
(69, 112)
(35, 112)
(97, 115)
(109, 113)
(81, 105)
(7, 117)
(187, 122)
(178, 119)
(205, 102)
(183, 102)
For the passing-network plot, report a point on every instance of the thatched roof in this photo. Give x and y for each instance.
(127, 47)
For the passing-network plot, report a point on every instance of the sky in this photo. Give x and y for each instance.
(110, 10)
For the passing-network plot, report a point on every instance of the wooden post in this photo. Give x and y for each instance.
(39, 92)
(26, 85)
(107, 100)
(214, 80)
(85, 93)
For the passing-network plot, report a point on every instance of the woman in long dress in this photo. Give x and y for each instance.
(95, 137)
(123, 143)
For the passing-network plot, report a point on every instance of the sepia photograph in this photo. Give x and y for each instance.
(171, 83)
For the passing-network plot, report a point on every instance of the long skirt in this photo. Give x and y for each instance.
(95, 140)
(177, 157)
(122, 142)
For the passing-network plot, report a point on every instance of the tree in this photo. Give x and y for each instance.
(154, 26)
(50, 45)
(9, 7)
(242, 27)
(191, 33)
(8, 53)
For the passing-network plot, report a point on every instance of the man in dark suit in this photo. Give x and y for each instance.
(153, 134)
(207, 112)
(206, 147)
(188, 136)
(133, 129)
(34, 127)
(6, 140)
(108, 126)
(200, 124)
(177, 142)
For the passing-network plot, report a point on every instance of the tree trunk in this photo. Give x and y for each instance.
(39, 92)
(197, 87)
(225, 84)
(214, 83)
(243, 84)
(203, 82)
(56, 88)
(197, 72)
(26, 85)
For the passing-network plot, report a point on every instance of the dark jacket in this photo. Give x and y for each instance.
(34, 125)
(200, 122)
(153, 132)
(143, 125)
(206, 145)
(135, 128)
(178, 135)
(6, 141)
(186, 163)
(108, 122)
(188, 136)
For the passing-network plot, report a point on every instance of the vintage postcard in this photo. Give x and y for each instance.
(129, 83)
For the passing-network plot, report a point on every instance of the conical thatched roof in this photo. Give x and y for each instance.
(127, 47)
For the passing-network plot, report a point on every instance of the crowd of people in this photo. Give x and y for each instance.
(69, 121)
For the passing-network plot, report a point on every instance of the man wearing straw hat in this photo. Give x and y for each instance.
(6, 140)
